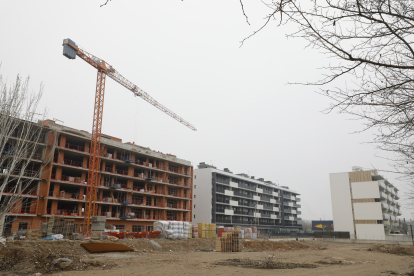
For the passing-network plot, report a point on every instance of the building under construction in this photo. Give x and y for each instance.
(136, 186)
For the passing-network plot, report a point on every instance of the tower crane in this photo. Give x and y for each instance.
(71, 50)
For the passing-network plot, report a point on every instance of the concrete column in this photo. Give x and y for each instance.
(61, 156)
(58, 173)
(33, 203)
(54, 206)
(86, 146)
(62, 142)
(85, 162)
(56, 188)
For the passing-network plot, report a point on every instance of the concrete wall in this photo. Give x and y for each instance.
(202, 196)
(368, 210)
(368, 189)
(370, 231)
(341, 202)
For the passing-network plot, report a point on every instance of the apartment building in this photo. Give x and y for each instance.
(229, 199)
(365, 204)
(137, 185)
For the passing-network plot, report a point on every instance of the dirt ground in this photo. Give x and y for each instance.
(196, 257)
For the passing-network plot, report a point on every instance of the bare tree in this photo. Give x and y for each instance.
(20, 136)
(372, 42)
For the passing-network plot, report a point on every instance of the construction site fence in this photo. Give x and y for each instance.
(273, 234)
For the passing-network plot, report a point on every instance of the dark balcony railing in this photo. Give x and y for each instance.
(222, 200)
(74, 147)
(247, 204)
(219, 210)
(241, 185)
(122, 172)
(243, 213)
(223, 181)
(223, 220)
(265, 199)
(220, 190)
(267, 207)
(267, 192)
(297, 205)
(266, 223)
(265, 215)
(236, 193)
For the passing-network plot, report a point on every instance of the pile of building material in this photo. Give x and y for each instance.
(173, 229)
(229, 242)
(98, 227)
(194, 230)
(190, 231)
(244, 232)
(34, 234)
(206, 230)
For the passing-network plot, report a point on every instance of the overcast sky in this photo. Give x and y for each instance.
(186, 55)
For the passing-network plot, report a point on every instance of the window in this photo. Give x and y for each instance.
(195, 186)
(194, 216)
(194, 196)
(120, 227)
(23, 225)
(194, 206)
(195, 176)
(137, 228)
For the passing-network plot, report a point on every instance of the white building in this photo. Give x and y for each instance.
(228, 199)
(364, 204)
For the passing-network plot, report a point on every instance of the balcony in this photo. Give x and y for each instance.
(26, 173)
(237, 193)
(75, 147)
(68, 162)
(266, 223)
(297, 205)
(265, 215)
(233, 184)
(268, 192)
(385, 206)
(265, 207)
(244, 186)
(63, 194)
(222, 200)
(383, 195)
(265, 199)
(243, 213)
(386, 216)
(223, 220)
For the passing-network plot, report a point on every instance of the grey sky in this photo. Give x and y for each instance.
(186, 55)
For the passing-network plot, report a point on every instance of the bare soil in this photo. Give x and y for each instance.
(196, 257)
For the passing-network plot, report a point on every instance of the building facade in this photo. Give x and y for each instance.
(365, 204)
(229, 199)
(137, 185)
